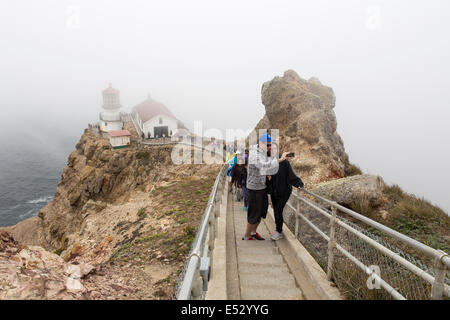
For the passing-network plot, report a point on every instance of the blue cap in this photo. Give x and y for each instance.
(265, 138)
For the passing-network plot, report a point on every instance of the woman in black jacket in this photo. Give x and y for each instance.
(280, 189)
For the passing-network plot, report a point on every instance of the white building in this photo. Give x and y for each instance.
(154, 119)
(110, 119)
(119, 139)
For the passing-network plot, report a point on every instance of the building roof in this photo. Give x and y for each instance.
(119, 133)
(151, 108)
(110, 90)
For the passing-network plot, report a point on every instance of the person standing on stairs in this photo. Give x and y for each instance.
(235, 173)
(259, 166)
(279, 186)
(242, 182)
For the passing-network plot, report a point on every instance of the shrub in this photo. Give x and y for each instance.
(141, 213)
(351, 170)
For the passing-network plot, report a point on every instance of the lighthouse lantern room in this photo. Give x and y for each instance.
(110, 119)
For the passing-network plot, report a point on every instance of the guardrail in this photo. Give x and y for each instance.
(335, 241)
(193, 282)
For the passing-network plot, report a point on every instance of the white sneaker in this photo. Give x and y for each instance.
(277, 236)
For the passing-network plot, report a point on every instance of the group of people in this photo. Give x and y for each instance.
(259, 172)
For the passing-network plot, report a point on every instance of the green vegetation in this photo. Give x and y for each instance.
(182, 220)
(123, 250)
(351, 170)
(143, 155)
(141, 213)
(418, 218)
(151, 237)
(189, 235)
(410, 215)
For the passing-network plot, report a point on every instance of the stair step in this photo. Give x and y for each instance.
(276, 293)
(259, 258)
(262, 281)
(269, 269)
(257, 250)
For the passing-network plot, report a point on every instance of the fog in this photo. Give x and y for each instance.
(387, 62)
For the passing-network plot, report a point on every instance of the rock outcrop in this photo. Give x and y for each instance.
(302, 111)
(30, 272)
(349, 190)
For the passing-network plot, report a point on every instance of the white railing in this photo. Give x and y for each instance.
(336, 241)
(193, 282)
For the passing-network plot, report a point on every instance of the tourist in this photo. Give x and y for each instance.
(242, 182)
(279, 187)
(235, 173)
(259, 165)
(232, 161)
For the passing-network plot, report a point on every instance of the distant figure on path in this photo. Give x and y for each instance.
(235, 173)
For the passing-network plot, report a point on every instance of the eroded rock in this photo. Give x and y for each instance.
(302, 111)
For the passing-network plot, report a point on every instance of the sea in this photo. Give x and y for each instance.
(31, 164)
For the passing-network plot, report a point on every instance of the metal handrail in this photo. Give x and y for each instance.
(433, 253)
(193, 262)
(441, 258)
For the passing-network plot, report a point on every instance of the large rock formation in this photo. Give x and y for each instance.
(302, 110)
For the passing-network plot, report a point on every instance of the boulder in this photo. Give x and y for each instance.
(347, 191)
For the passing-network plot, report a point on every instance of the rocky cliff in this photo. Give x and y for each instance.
(302, 110)
(118, 227)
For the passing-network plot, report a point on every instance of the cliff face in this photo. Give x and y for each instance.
(97, 173)
(118, 227)
(303, 112)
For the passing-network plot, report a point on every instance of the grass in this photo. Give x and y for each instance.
(351, 170)
(141, 213)
(418, 218)
(151, 237)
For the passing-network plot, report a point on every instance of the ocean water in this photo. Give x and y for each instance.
(30, 169)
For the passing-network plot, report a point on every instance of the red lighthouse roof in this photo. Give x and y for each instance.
(151, 108)
(119, 133)
(110, 90)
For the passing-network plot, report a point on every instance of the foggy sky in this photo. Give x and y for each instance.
(387, 62)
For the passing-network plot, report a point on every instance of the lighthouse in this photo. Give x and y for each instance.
(110, 119)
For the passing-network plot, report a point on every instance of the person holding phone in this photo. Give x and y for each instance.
(260, 165)
(279, 187)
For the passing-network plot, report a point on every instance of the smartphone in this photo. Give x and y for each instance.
(291, 155)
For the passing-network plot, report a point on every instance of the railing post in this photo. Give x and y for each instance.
(297, 220)
(211, 233)
(197, 285)
(331, 244)
(440, 270)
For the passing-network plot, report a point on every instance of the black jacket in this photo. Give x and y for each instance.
(243, 178)
(281, 184)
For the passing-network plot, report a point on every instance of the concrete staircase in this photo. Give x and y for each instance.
(263, 274)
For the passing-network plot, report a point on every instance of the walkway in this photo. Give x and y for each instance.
(263, 274)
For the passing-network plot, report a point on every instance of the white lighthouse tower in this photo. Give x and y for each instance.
(110, 119)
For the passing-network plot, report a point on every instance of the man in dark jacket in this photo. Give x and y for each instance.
(280, 189)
